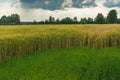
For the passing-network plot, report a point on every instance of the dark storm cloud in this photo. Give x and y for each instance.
(84, 3)
(44, 4)
(56, 4)
(112, 3)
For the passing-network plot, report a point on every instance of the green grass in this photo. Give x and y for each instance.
(64, 64)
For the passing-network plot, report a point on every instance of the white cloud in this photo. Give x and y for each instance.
(67, 3)
(47, 2)
(7, 7)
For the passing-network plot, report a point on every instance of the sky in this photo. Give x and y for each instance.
(30, 10)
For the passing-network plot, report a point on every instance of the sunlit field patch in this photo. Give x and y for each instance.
(16, 40)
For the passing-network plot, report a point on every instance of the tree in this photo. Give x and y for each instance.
(112, 16)
(75, 20)
(90, 20)
(3, 19)
(118, 21)
(67, 20)
(41, 22)
(99, 19)
(15, 18)
(58, 21)
(34, 22)
(12, 19)
(46, 21)
(83, 21)
(51, 19)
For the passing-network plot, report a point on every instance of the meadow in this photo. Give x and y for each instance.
(17, 40)
(64, 64)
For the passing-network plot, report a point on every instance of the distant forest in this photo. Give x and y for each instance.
(111, 18)
(13, 19)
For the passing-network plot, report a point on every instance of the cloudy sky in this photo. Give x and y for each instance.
(30, 10)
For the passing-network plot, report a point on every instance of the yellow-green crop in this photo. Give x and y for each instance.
(16, 40)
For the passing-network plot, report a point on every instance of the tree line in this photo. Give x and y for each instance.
(99, 19)
(13, 19)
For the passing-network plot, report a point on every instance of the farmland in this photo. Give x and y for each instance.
(60, 52)
(16, 40)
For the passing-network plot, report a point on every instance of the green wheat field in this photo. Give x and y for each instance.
(60, 52)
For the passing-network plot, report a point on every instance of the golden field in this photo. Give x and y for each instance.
(15, 40)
